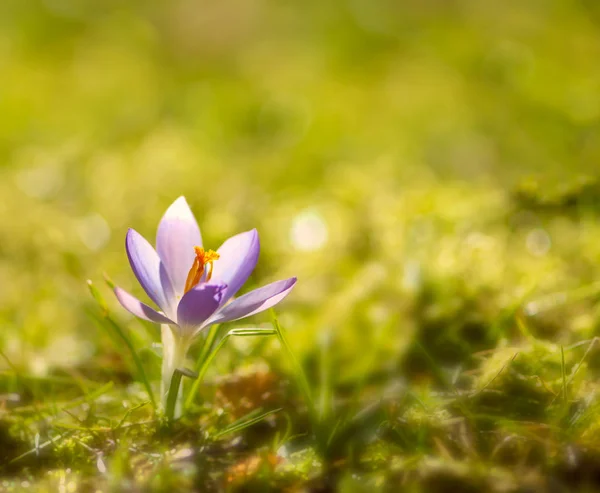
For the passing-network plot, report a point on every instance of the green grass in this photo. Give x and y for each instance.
(428, 171)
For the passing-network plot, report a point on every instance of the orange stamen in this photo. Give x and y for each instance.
(203, 258)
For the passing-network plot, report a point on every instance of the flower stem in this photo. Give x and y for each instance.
(175, 349)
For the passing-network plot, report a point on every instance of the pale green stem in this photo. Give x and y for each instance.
(175, 350)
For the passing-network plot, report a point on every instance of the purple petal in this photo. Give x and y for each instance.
(139, 309)
(238, 257)
(150, 272)
(198, 304)
(255, 301)
(178, 233)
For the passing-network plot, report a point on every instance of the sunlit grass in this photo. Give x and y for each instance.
(427, 173)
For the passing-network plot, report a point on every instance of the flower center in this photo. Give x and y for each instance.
(203, 258)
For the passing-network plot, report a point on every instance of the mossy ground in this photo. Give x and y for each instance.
(429, 172)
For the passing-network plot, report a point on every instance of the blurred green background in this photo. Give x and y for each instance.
(424, 167)
(348, 133)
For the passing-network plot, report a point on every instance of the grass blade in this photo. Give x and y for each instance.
(564, 373)
(213, 331)
(325, 391)
(207, 361)
(245, 422)
(299, 373)
(110, 323)
(173, 393)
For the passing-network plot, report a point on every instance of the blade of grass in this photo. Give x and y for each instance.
(109, 281)
(70, 426)
(564, 373)
(252, 332)
(330, 436)
(299, 373)
(325, 393)
(173, 393)
(502, 368)
(39, 447)
(380, 337)
(555, 300)
(584, 357)
(68, 404)
(89, 397)
(20, 380)
(206, 363)
(208, 345)
(98, 298)
(127, 413)
(116, 328)
(17, 375)
(57, 379)
(439, 374)
(245, 422)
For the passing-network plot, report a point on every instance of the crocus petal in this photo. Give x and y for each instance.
(198, 304)
(150, 272)
(178, 233)
(255, 301)
(139, 309)
(237, 259)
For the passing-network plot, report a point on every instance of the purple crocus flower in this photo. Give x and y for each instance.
(192, 287)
